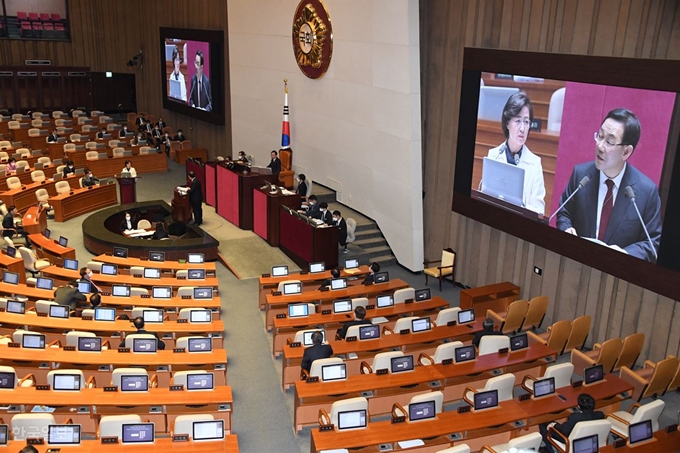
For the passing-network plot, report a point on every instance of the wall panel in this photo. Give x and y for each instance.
(629, 28)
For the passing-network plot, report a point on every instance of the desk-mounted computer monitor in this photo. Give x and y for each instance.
(381, 277)
(90, 344)
(203, 293)
(157, 256)
(120, 252)
(292, 288)
(338, 283)
(401, 364)
(44, 283)
(85, 287)
(71, 264)
(485, 400)
(153, 315)
(307, 337)
(385, 300)
(316, 268)
(466, 316)
(423, 294)
(207, 430)
(342, 306)
(424, 410)
(593, 374)
(298, 310)
(196, 274)
(11, 278)
(16, 306)
(109, 269)
(195, 258)
(465, 353)
(519, 341)
(63, 241)
(202, 344)
(334, 372)
(152, 272)
(120, 290)
(138, 433)
(161, 292)
(279, 271)
(369, 332)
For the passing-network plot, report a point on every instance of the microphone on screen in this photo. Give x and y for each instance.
(584, 182)
(631, 195)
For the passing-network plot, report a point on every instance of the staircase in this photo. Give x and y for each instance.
(369, 246)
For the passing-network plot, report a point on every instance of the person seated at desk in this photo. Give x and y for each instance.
(342, 230)
(179, 137)
(69, 295)
(95, 301)
(325, 214)
(302, 186)
(242, 157)
(488, 326)
(123, 132)
(53, 137)
(313, 207)
(11, 166)
(317, 350)
(68, 169)
(160, 123)
(335, 273)
(156, 135)
(128, 223)
(139, 325)
(275, 163)
(86, 276)
(139, 140)
(370, 278)
(586, 412)
(89, 180)
(128, 169)
(140, 122)
(359, 315)
(101, 133)
(148, 129)
(160, 232)
(10, 227)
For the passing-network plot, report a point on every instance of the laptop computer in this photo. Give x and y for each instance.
(334, 372)
(503, 181)
(425, 410)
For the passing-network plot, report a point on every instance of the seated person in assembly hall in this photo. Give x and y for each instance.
(317, 350)
(101, 133)
(370, 278)
(160, 232)
(586, 412)
(139, 325)
(123, 132)
(69, 295)
(68, 169)
(86, 276)
(95, 301)
(10, 227)
(487, 325)
(89, 180)
(179, 137)
(335, 273)
(128, 223)
(11, 166)
(359, 315)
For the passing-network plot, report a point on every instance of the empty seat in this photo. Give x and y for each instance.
(444, 351)
(45, 160)
(27, 425)
(436, 396)
(54, 373)
(38, 176)
(92, 155)
(112, 425)
(528, 442)
(503, 383)
(315, 369)
(73, 336)
(184, 424)
(402, 295)
(579, 333)
(630, 351)
(562, 373)
(652, 379)
(510, 321)
(447, 315)
(118, 151)
(43, 306)
(555, 337)
(621, 420)
(351, 404)
(535, 313)
(62, 187)
(13, 182)
(382, 360)
(490, 344)
(604, 354)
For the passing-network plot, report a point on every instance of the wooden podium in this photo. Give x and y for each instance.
(35, 220)
(181, 208)
(128, 189)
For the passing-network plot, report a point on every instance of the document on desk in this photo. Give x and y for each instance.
(411, 443)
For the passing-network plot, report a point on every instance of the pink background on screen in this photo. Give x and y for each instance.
(192, 48)
(586, 105)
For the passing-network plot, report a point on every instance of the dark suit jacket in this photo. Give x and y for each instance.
(100, 134)
(123, 225)
(52, 138)
(314, 211)
(87, 182)
(317, 351)
(483, 333)
(161, 343)
(140, 121)
(301, 189)
(122, 133)
(66, 171)
(195, 194)
(66, 295)
(575, 417)
(327, 217)
(177, 138)
(161, 124)
(369, 279)
(203, 97)
(624, 227)
(275, 165)
(342, 232)
(342, 332)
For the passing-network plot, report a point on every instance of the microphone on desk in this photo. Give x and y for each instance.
(631, 195)
(584, 182)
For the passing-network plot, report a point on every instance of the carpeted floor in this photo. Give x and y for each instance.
(250, 257)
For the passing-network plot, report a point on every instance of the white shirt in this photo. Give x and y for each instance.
(133, 172)
(602, 192)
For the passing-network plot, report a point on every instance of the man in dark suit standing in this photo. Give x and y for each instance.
(201, 95)
(53, 137)
(601, 209)
(316, 351)
(342, 230)
(359, 315)
(196, 198)
(160, 123)
(275, 163)
(140, 122)
(587, 412)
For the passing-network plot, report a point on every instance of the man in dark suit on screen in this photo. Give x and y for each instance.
(196, 198)
(201, 95)
(601, 209)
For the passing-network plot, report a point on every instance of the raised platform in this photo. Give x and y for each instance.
(101, 233)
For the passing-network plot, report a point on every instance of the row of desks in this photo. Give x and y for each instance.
(24, 196)
(127, 263)
(473, 428)
(81, 201)
(161, 445)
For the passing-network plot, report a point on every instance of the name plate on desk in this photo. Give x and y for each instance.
(323, 289)
(401, 419)
(404, 331)
(408, 301)
(146, 296)
(69, 348)
(352, 338)
(326, 312)
(123, 349)
(86, 318)
(502, 351)
(311, 379)
(186, 297)
(42, 387)
(295, 344)
(370, 307)
(2, 309)
(13, 344)
(42, 315)
(177, 388)
(447, 362)
(110, 440)
(525, 397)
(381, 371)
(179, 350)
(326, 428)
(35, 441)
(463, 409)
(281, 316)
(304, 272)
(619, 443)
(111, 388)
(180, 438)
(451, 323)
(182, 321)
(266, 275)
(276, 293)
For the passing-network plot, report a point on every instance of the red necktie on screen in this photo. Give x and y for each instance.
(607, 208)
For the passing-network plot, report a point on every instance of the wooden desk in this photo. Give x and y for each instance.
(35, 220)
(235, 194)
(24, 197)
(108, 168)
(161, 445)
(121, 279)
(285, 328)
(269, 283)
(663, 442)
(496, 297)
(304, 243)
(181, 155)
(279, 304)
(25, 176)
(401, 387)
(168, 265)
(51, 250)
(15, 265)
(266, 209)
(160, 404)
(474, 428)
(81, 201)
(100, 364)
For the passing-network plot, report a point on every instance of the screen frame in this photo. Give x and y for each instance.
(206, 439)
(480, 394)
(123, 389)
(342, 428)
(156, 254)
(215, 39)
(191, 341)
(640, 423)
(585, 373)
(430, 403)
(363, 329)
(128, 442)
(79, 429)
(640, 73)
(333, 365)
(407, 359)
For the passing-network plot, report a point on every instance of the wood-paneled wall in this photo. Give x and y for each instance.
(622, 28)
(105, 35)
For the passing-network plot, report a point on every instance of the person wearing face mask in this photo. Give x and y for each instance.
(123, 132)
(165, 140)
(128, 223)
(156, 136)
(518, 114)
(11, 166)
(68, 169)
(129, 169)
(302, 186)
(89, 180)
(325, 214)
(86, 276)
(313, 210)
(342, 230)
